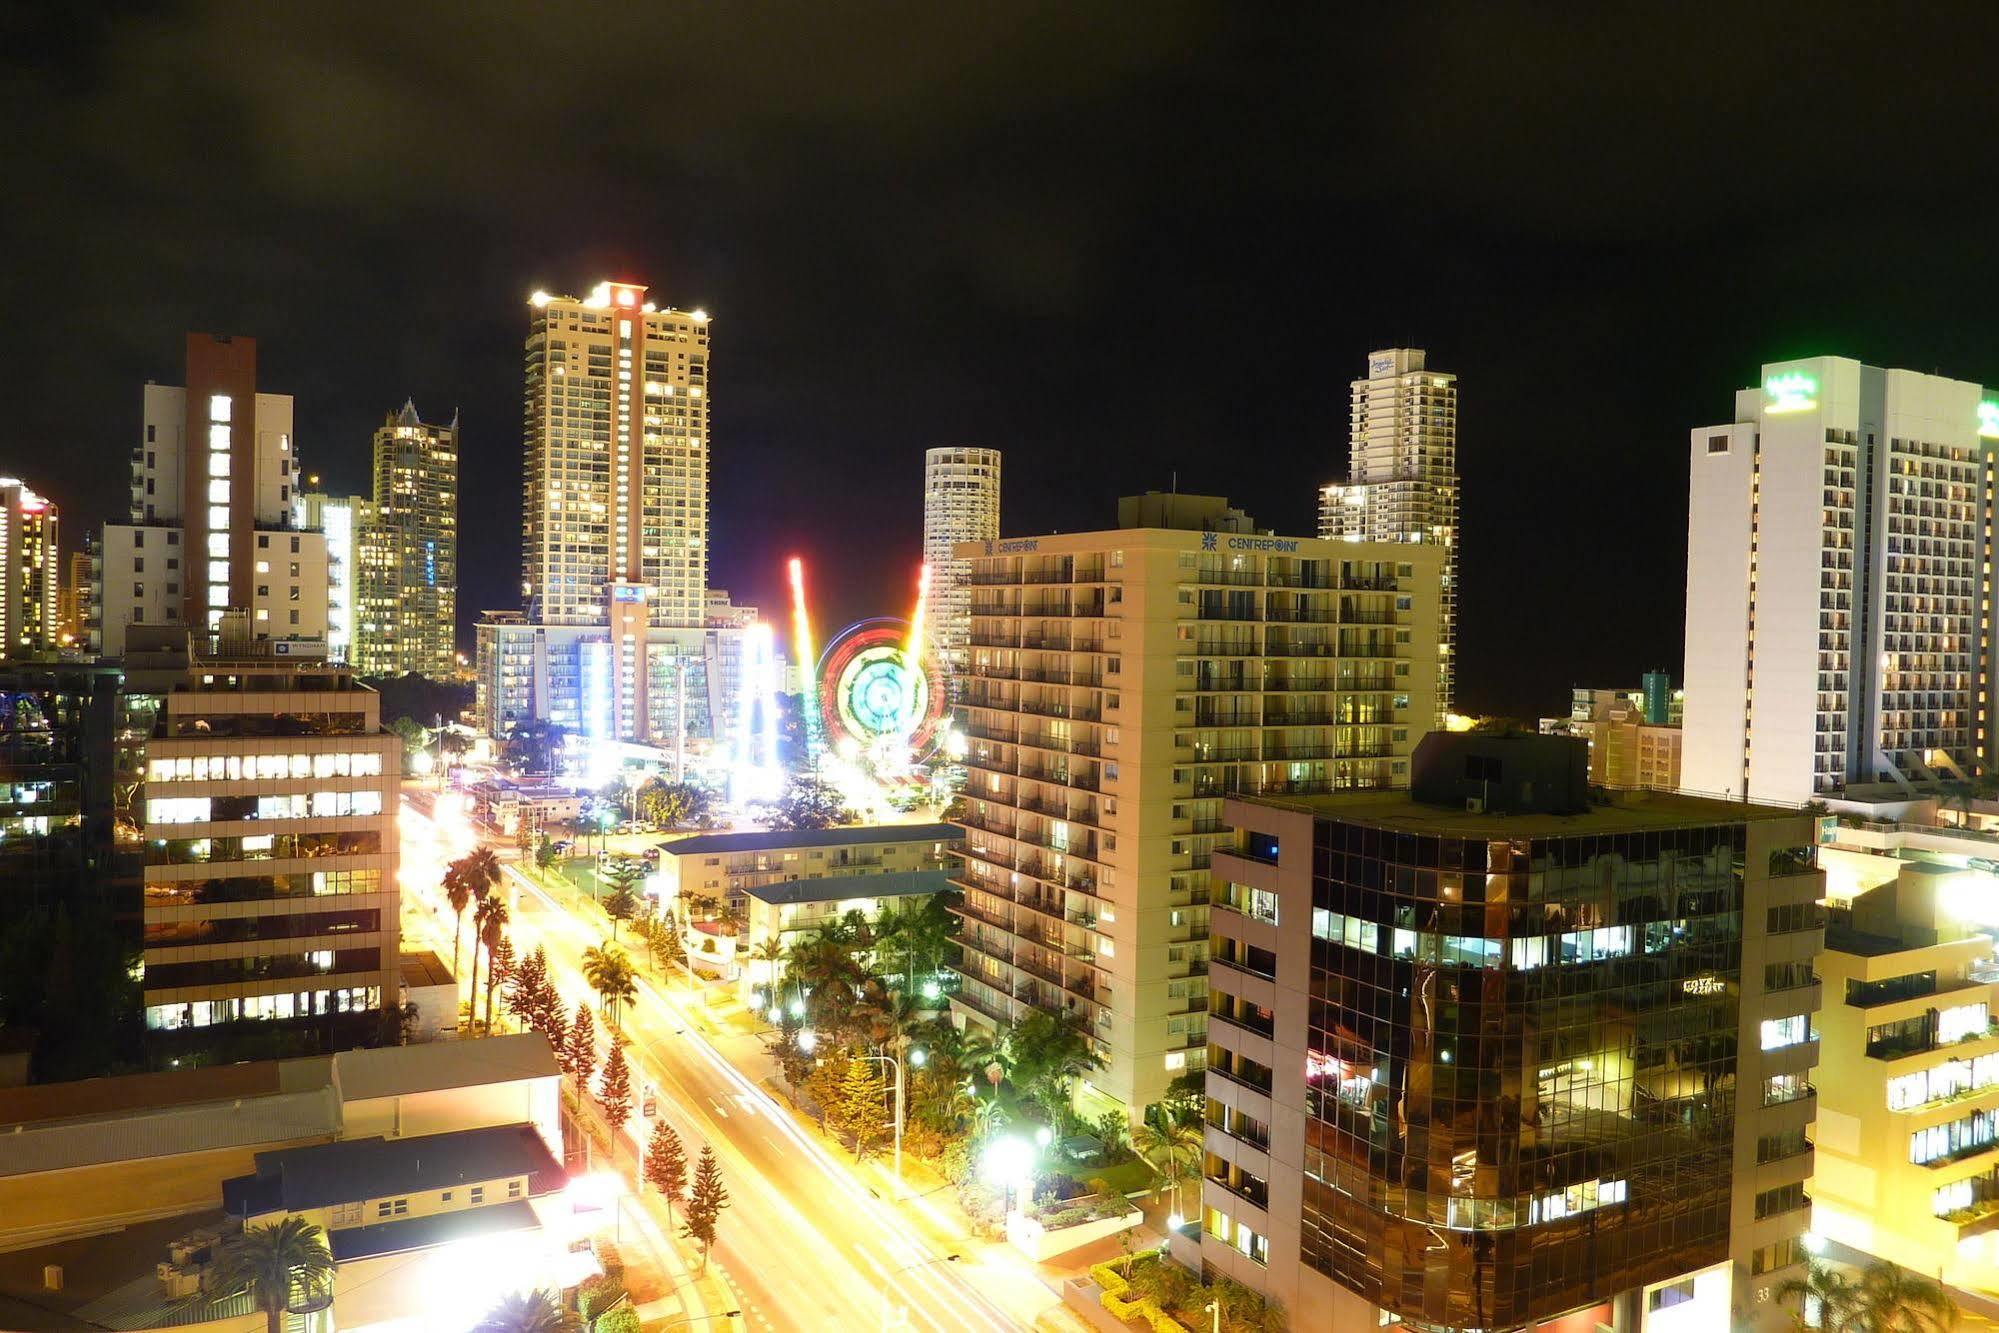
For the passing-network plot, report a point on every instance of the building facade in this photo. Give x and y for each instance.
(1487, 1055)
(961, 503)
(73, 601)
(614, 505)
(211, 527)
(59, 775)
(270, 835)
(338, 518)
(30, 578)
(1121, 684)
(1402, 477)
(407, 583)
(1838, 615)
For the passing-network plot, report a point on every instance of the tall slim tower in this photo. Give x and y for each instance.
(28, 571)
(614, 508)
(211, 526)
(961, 501)
(407, 543)
(1838, 611)
(1402, 477)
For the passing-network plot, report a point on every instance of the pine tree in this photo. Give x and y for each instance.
(705, 1204)
(614, 1089)
(857, 1107)
(581, 1047)
(666, 1164)
(524, 989)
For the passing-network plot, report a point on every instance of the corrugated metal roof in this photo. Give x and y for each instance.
(393, 1071)
(194, 1127)
(894, 884)
(297, 1179)
(850, 835)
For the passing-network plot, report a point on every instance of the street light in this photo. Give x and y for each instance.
(915, 1057)
(807, 1040)
(1008, 1165)
(1215, 1308)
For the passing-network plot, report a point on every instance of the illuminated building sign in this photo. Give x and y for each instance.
(1793, 392)
(1703, 985)
(1988, 421)
(628, 592)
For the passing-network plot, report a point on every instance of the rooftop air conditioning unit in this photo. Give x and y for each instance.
(1474, 805)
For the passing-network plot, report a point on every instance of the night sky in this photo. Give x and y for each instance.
(1118, 242)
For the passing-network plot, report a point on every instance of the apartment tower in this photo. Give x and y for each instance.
(961, 500)
(270, 842)
(1491, 1054)
(1120, 685)
(73, 600)
(1838, 609)
(407, 580)
(1402, 478)
(211, 527)
(614, 506)
(337, 518)
(29, 572)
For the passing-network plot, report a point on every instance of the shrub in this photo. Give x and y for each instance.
(608, 1259)
(624, 1319)
(597, 1293)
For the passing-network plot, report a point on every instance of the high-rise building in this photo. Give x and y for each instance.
(73, 599)
(406, 585)
(1837, 621)
(270, 841)
(338, 518)
(1491, 1054)
(1120, 685)
(615, 502)
(961, 503)
(211, 526)
(1402, 477)
(29, 571)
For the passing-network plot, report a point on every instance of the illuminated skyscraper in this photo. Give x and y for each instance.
(1402, 477)
(28, 577)
(1123, 683)
(73, 598)
(406, 548)
(1838, 609)
(614, 515)
(961, 502)
(211, 525)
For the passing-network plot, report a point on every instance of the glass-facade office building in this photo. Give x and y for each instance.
(1478, 1070)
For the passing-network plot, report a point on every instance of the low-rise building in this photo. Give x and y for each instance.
(785, 911)
(1629, 753)
(723, 867)
(1493, 1053)
(509, 806)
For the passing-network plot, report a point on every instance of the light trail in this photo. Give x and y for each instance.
(807, 657)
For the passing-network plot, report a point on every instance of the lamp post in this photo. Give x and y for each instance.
(916, 1057)
(1215, 1308)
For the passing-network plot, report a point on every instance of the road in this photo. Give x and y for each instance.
(806, 1243)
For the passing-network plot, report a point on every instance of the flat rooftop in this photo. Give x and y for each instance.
(840, 888)
(847, 835)
(1631, 812)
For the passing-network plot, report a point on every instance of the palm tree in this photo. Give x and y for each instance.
(1168, 1150)
(276, 1263)
(1894, 1300)
(489, 917)
(528, 1312)
(609, 973)
(457, 892)
(988, 1053)
(1825, 1295)
(482, 868)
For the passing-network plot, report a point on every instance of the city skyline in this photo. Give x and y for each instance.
(1056, 333)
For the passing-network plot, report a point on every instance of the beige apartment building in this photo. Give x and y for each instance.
(1908, 1127)
(270, 843)
(30, 591)
(1120, 685)
(405, 585)
(1628, 753)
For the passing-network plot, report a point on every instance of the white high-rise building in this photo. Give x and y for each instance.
(1836, 622)
(961, 500)
(614, 509)
(335, 517)
(1402, 477)
(212, 528)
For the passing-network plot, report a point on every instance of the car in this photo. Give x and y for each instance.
(650, 856)
(561, 845)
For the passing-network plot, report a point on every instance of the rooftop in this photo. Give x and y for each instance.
(388, 1071)
(849, 835)
(355, 1170)
(838, 888)
(425, 969)
(1631, 812)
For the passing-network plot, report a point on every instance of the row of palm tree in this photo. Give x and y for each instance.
(469, 882)
(1882, 1299)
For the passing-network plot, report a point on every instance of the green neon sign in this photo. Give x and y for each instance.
(1988, 421)
(1793, 392)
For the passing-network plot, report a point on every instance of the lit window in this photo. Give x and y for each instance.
(218, 407)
